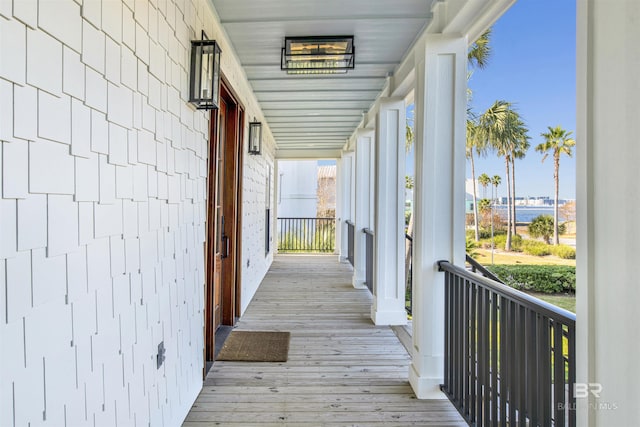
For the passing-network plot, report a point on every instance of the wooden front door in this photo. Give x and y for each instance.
(223, 218)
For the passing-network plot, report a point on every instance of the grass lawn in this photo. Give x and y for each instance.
(563, 300)
(566, 301)
(483, 256)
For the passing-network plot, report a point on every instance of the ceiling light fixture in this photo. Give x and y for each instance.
(318, 55)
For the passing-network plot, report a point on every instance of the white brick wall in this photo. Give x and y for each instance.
(103, 210)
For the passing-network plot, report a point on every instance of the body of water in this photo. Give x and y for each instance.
(526, 213)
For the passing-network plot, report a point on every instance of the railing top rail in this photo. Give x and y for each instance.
(482, 269)
(281, 217)
(528, 301)
(367, 231)
(349, 222)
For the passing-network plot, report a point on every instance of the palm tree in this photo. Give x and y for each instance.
(491, 126)
(484, 180)
(475, 143)
(495, 181)
(520, 150)
(502, 127)
(409, 136)
(518, 145)
(480, 51)
(477, 57)
(557, 141)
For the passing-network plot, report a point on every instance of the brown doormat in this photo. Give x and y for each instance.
(255, 346)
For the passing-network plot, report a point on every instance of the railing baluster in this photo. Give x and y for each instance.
(531, 353)
(486, 368)
(306, 234)
(503, 319)
(558, 375)
(494, 358)
(474, 352)
(505, 361)
(447, 334)
(521, 368)
(545, 385)
(457, 345)
(468, 337)
(369, 259)
(513, 369)
(482, 329)
(571, 400)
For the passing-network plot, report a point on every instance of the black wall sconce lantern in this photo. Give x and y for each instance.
(255, 137)
(318, 55)
(204, 78)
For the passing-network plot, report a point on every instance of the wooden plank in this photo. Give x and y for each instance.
(342, 369)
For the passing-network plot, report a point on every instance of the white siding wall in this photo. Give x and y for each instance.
(298, 196)
(102, 216)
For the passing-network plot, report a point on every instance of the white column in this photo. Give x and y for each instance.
(346, 201)
(389, 290)
(339, 208)
(440, 109)
(362, 197)
(608, 202)
(275, 205)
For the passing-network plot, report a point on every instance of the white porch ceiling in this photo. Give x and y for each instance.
(320, 111)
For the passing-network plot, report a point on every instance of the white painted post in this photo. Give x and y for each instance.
(440, 109)
(346, 201)
(275, 204)
(339, 209)
(608, 202)
(389, 290)
(362, 197)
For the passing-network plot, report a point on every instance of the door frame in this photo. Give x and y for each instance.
(231, 290)
(230, 283)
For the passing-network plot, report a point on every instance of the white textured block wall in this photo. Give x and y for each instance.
(102, 216)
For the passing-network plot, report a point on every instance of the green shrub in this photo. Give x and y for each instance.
(516, 243)
(542, 226)
(471, 247)
(536, 248)
(500, 242)
(538, 278)
(483, 233)
(564, 251)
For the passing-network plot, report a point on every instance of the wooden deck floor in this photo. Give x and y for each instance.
(342, 370)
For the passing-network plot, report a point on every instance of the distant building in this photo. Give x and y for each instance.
(326, 193)
(306, 190)
(297, 189)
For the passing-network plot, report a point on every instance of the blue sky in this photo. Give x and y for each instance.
(532, 66)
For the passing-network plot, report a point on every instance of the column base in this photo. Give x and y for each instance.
(359, 283)
(388, 318)
(424, 387)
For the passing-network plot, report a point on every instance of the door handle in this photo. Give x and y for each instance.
(225, 246)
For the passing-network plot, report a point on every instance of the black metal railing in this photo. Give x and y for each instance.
(368, 277)
(509, 357)
(306, 234)
(476, 267)
(351, 235)
(408, 291)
